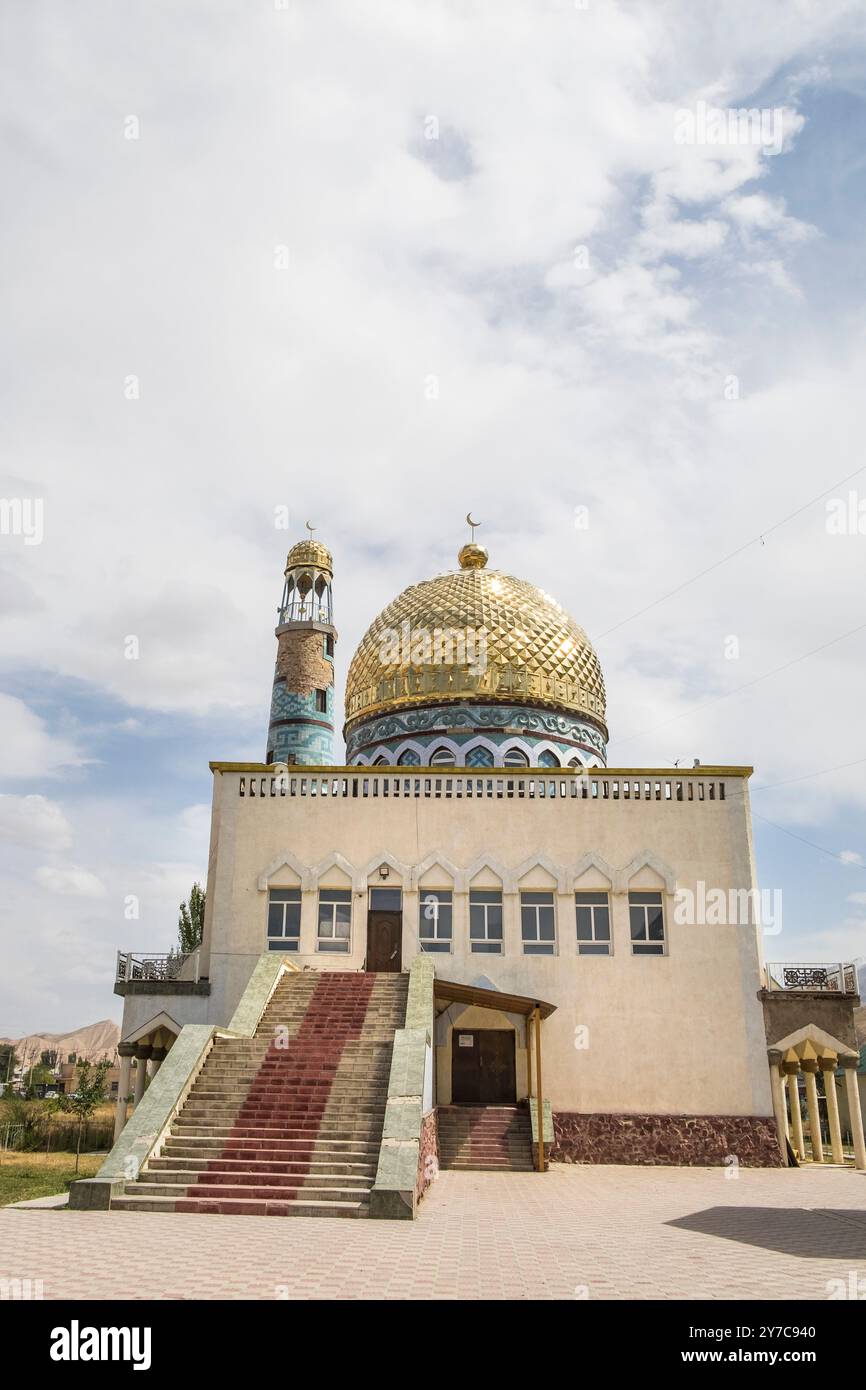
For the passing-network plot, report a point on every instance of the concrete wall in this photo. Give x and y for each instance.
(679, 1034)
(785, 1012)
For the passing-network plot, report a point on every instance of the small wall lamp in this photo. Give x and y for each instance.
(384, 871)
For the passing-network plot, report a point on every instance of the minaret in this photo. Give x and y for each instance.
(301, 728)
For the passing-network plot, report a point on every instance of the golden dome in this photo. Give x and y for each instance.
(519, 647)
(310, 553)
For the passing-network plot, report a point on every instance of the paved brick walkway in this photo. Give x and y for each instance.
(596, 1232)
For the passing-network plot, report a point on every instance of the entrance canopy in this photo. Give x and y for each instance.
(446, 992)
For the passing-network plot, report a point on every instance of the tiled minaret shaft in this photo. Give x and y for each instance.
(301, 728)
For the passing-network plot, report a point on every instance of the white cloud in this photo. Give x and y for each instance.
(843, 942)
(68, 880)
(195, 820)
(559, 384)
(756, 212)
(35, 822)
(851, 856)
(27, 747)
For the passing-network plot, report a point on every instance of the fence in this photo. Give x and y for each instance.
(40, 1137)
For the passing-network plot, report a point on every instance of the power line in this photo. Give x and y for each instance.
(821, 848)
(732, 555)
(714, 699)
(768, 786)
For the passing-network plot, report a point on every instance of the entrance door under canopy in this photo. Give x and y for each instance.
(483, 1066)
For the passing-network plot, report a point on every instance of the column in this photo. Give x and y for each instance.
(775, 1059)
(512, 939)
(828, 1067)
(810, 1070)
(126, 1052)
(157, 1057)
(539, 1090)
(142, 1054)
(792, 1071)
(310, 921)
(411, 943)
(850, 1064)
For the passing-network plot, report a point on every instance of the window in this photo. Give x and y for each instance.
(548, 759)
(321, 701)
(515, 757)
(408, 758)
(284, 919)
(434, 920)
(647, 924)
(592, 911)
(335, 919)
(329, 645)
(485, 923)
(538, 924)
(442, 757)
(386, 899)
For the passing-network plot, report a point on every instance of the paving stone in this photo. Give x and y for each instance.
(619, 1232)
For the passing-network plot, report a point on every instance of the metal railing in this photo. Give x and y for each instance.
(839, 977)
(161, 966)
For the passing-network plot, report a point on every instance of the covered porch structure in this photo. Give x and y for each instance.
(806, 1053)
(488, 1049)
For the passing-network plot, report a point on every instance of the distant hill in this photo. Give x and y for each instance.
(95, 1041)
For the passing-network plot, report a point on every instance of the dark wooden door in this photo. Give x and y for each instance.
(385, 941)
(482, 1066)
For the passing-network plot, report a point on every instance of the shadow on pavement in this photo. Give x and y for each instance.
(809, 1233)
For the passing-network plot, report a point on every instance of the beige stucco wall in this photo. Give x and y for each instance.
(680, 1033)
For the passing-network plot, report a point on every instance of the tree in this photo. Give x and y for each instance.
(8, 1063)
(190, 923)
(89, 1094)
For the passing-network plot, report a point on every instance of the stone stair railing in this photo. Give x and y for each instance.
(150, 1123)
(408, 1152)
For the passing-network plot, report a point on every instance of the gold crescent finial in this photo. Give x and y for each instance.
(310, 528)
(473, 525)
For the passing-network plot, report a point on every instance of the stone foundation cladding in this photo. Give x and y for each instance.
(669, 1140)
(428, 1154)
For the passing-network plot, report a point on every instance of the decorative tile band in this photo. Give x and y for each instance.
(477, 736)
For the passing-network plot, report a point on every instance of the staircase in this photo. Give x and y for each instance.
(288, 1122)
(497, 1138)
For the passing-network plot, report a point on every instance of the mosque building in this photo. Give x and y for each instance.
(471, 944)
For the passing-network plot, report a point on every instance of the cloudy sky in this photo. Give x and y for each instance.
(379, 263)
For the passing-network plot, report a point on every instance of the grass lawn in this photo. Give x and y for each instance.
(26, 1175)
